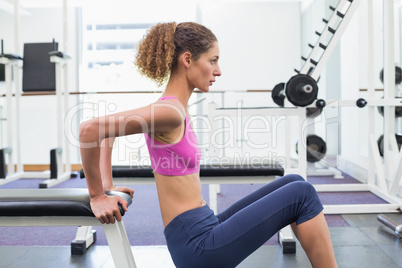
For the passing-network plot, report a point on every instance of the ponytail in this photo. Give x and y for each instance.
(158, 52)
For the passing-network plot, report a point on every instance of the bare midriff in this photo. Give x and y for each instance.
(178, 194)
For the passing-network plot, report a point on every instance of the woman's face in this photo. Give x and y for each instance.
(202, 73)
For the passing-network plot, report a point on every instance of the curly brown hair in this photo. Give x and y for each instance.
(158, 51)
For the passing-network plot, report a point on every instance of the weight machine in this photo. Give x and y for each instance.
(60, 170)
(301, 90)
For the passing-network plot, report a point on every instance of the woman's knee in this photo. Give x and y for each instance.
(304, 190)
(309, 200)
(293, 178)
(306, 187)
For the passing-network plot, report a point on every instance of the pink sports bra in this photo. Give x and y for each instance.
(175, 159)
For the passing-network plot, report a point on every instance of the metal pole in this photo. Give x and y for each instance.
(9, 97)
(65, 26)
(389, 81)
(371, 90)
(16, 28)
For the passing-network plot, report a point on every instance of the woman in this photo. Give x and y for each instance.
(187, 55)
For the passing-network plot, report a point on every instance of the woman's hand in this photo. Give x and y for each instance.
(122, 189)
(106, 208)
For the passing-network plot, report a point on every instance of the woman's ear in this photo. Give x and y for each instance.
(186, 59)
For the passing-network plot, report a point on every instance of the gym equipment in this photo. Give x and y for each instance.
(398, 75)
(277, 94)
(361, 103)
(395, 227)
(312, 112)
(2, 72)
(301, 90)
(65, 207)
(316, 148)
(59, 170)
(12, 64)
(398, 109)
(328, 38)
(39, 74)
(380, 143)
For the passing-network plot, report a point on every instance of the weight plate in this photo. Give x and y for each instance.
(316, 148)
(380, 143)
(301, 90)
(398, 110)
(313, 112)
(278, 95)
(398, 75)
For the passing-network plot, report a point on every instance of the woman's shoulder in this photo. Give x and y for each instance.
(168, 112)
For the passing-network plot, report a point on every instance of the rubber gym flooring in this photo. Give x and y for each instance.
(359, 240)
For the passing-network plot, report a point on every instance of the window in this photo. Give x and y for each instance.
(111, 32)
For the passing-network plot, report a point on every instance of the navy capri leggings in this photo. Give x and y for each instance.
(198, 238)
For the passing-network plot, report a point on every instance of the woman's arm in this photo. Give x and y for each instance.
(105, 163)
(158, 117)
(105, 166)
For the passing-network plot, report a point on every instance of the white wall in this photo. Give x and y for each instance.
(259, 42)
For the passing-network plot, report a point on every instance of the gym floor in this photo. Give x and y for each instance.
(359, 240)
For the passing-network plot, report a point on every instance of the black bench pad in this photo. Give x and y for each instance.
(48, 202)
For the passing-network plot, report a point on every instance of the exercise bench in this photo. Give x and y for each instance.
(65, 207)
